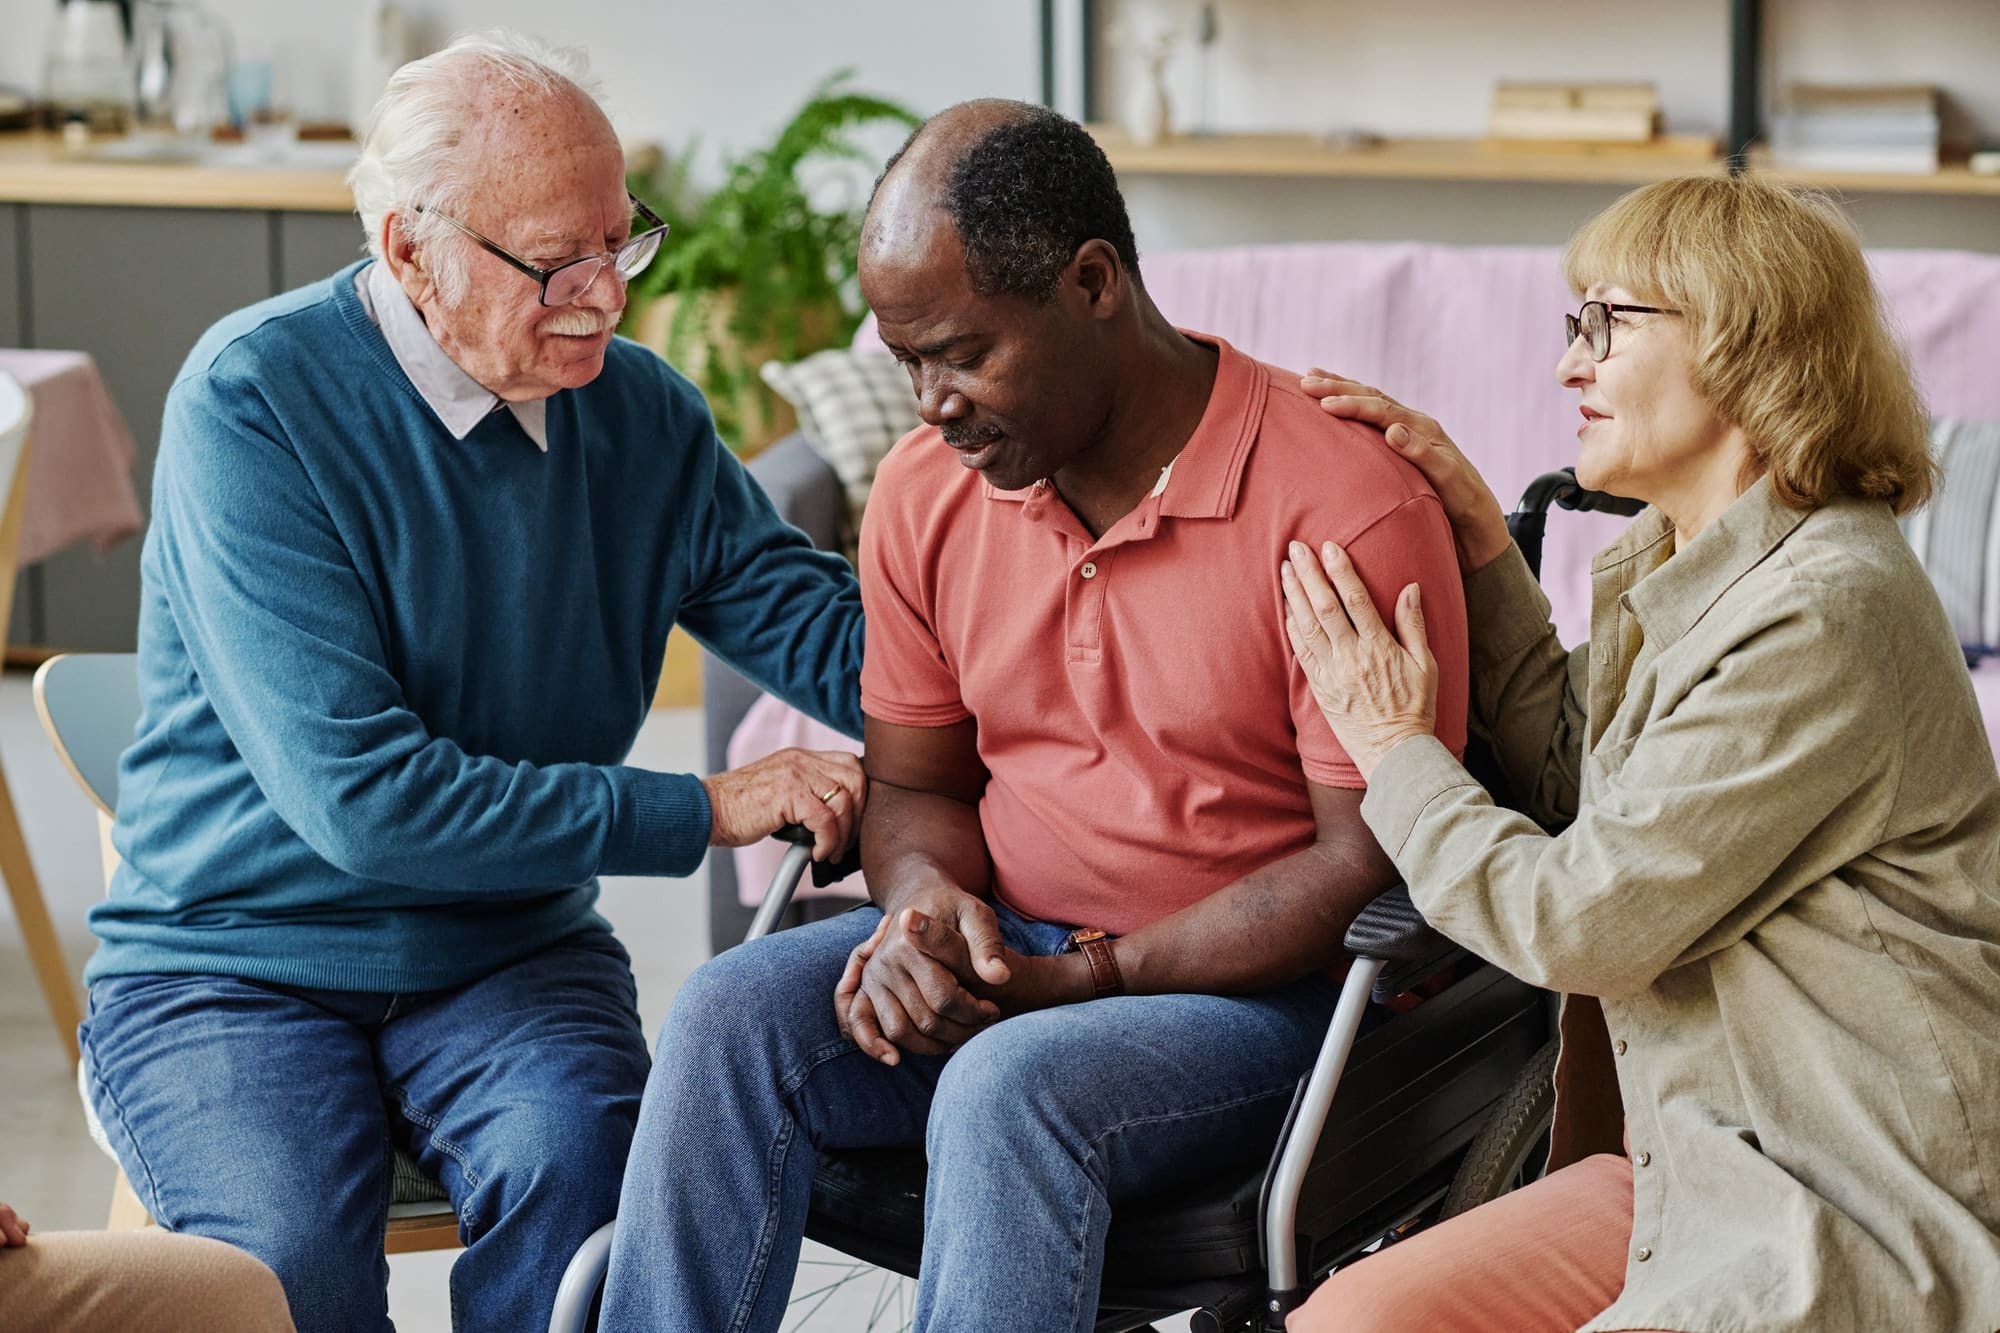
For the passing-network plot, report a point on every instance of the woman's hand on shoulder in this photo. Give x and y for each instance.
(1376, 686)
(1478, 526)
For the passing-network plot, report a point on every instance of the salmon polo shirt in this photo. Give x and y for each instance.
(1148, 735)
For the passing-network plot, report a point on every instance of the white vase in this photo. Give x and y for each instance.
(1147, 116)
(382, 46)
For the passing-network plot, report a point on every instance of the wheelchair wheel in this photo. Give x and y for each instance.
(836, 1293)
(1513, 1149)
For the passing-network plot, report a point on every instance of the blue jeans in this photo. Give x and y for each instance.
(263, 1115)
(1034, 1130)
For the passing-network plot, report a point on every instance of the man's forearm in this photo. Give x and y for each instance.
(914, 839)
(1273, 926)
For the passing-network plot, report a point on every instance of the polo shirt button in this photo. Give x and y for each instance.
(1618, 1047)
(1642, 1254)
(1089, 570)
(1644, 1159)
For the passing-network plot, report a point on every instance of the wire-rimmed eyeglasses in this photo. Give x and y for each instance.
(568, 281)
(1594, 323)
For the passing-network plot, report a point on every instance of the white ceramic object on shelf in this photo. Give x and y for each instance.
(382, 45)
(1147, 114)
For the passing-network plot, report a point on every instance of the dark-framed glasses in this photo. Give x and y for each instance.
(568, 281)
(1594, 322)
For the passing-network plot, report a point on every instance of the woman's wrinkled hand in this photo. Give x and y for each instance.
(1376, 688)
(1478, 526)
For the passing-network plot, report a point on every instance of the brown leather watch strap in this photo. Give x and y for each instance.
(1104, 976)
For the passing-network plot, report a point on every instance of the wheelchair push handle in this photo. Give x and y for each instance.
(1530, 518)
(798, 857)
(778, 894)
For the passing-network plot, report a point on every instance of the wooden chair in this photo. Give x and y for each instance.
(89, 706)
(30, 909)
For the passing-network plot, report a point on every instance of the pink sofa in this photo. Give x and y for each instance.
(1471, 335)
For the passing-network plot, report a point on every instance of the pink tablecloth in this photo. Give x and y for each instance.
(80, 465)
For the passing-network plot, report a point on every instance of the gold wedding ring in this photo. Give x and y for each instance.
(829, 796)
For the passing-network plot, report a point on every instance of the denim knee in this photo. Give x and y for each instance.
(558, 1160)
(767, 997)
(1002, 1087)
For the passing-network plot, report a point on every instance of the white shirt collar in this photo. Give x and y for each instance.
(460, 401)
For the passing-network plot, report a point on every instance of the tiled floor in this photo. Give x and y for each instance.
(52, 1173)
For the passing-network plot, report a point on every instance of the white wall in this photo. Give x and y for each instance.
(725, 71)
(1428, 66)
(1421, 67)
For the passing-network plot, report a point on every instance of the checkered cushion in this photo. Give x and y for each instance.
(852, 407)
(1957, 535)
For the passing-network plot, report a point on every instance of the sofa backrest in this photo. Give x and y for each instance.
(1471, 335)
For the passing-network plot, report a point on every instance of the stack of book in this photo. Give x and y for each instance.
(1892, 128)
(1581, 113)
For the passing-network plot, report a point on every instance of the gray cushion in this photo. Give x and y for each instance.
(1957, 535)
(853, 406)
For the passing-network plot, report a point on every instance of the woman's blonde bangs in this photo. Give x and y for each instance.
(1627, 245)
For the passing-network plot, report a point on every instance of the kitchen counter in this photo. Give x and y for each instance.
(38, 168)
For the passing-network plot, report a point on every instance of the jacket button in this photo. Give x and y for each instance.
(1089, 570)
(1642, 1254)
(1618, 1047)
(1644, 1159)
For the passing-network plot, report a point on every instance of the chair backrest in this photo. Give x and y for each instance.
(89, 705)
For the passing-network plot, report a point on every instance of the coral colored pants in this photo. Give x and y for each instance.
(1544, 1259)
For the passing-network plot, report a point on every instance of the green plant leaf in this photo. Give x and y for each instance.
(787, 263)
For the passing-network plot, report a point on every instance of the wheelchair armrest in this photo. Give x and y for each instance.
(1392, 930)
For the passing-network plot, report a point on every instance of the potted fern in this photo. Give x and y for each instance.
(762, 267)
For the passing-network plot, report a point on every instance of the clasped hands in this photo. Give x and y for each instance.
(935, 973)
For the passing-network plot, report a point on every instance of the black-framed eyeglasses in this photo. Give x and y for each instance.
(1594, 323)
(568, 281)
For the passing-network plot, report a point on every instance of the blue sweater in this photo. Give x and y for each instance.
(388, 677)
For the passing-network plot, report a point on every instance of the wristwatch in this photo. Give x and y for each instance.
(1095, 946)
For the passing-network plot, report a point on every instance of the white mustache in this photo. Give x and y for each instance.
(579, 322)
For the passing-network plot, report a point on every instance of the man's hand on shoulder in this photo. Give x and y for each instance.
(915, 984)
(823, 789)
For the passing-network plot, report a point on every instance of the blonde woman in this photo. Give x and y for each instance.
(1776, 913)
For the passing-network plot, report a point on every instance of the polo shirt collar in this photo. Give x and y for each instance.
(460, 401)
(1204, 480)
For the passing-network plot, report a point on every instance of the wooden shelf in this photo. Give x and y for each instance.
(37, 168)
(1401, 159)
(1303, 156)
(1952, 178)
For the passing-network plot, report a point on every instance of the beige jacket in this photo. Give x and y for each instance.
(1783, 885)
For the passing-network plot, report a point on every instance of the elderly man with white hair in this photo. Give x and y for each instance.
(395, 646)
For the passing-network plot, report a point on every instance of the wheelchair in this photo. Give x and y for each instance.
(1433, 1112)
